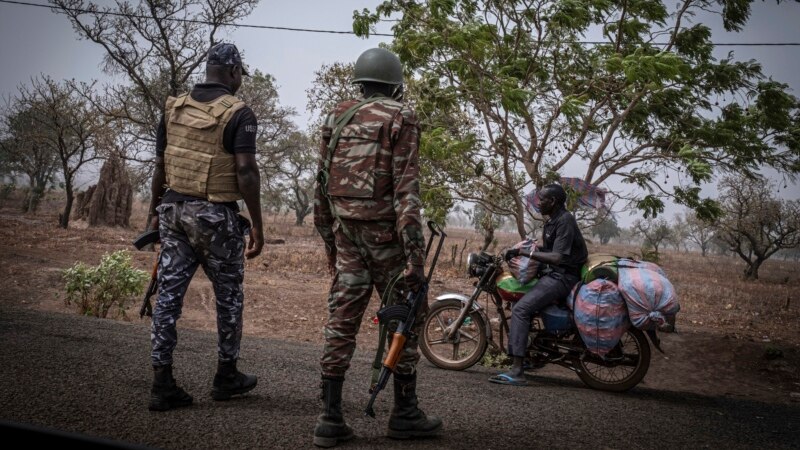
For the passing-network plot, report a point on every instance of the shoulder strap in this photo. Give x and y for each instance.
(342, 121)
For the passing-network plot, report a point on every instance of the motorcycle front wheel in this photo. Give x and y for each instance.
(622, 369)
(465, 349)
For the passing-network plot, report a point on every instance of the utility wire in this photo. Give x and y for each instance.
(203, 22)
(311, 30)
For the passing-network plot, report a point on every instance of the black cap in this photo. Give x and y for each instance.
(225, 54)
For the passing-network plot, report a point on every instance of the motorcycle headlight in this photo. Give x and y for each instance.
(476, 264)
(470, 262)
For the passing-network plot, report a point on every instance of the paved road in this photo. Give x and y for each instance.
(90, 378)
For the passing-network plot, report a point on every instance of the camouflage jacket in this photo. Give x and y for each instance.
(373, 173)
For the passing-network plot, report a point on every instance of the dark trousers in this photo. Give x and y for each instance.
(550, 289)
(209, 235)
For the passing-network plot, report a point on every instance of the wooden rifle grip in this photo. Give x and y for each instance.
(393, 356)
(155, 269)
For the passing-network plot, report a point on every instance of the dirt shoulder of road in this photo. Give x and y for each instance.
(286, 289)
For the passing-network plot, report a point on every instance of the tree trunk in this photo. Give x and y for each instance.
(488, 237)
(63, 218)
(751, 273)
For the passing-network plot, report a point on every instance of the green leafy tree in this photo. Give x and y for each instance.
(755, 224)
(23, 153)
(606, 230)
(648, 102)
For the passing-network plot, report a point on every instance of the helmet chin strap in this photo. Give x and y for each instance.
(397, 92)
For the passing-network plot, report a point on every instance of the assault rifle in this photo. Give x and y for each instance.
(145, 239)
(406, 315)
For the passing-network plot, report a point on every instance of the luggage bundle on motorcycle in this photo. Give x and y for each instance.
(649, 295)
(616, 293)
(600, 315)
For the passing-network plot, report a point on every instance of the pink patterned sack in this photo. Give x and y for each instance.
(600, 315)
(524, 269)
(648, 293)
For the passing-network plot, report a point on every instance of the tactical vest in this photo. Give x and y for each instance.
(195, 159)
(359, 179)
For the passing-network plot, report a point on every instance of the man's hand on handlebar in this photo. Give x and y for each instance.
(510, 253)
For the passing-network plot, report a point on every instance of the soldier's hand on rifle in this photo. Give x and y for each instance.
(414, 276)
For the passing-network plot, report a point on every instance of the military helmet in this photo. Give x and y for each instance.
(378, 65)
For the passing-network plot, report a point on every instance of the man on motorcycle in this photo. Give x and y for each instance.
(562, 254)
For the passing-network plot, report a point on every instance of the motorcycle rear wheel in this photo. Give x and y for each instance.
(469, 344)
(623, 375)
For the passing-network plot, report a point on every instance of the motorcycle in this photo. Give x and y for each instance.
(457, 333)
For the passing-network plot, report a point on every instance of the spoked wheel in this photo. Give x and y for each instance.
(623, 368)
(462, 351)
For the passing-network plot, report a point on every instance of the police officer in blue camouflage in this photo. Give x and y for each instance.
(205, 163)
(367, 211)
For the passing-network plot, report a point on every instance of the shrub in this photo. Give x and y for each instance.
(95, 290)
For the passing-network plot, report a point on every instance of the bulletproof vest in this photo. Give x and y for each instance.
(195, 159)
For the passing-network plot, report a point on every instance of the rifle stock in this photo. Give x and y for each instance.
(406, 315)
(398, 342)
(141, 241)
(152, 288)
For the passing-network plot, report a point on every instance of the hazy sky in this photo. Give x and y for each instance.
(35, 41)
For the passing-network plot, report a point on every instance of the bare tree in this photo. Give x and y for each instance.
(291, 183)
(699, 231)
(158, 46)
(654, 232)
(65, 123)
(755, 224)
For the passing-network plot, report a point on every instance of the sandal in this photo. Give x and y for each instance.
(505, 378)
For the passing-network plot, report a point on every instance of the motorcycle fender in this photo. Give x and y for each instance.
(476, 307)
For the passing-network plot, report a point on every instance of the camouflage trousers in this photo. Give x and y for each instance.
(199, 233)
(372, 257)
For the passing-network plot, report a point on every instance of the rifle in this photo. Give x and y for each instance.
(142, 241)
(406, 315)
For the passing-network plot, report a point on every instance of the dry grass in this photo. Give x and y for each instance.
(711, 291)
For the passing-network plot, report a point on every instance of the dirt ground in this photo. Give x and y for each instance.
(734, 338)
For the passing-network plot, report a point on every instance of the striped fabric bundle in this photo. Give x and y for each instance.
(600, 315)
(591, 196)
(648, 293)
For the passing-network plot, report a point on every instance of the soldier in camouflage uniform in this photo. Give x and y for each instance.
(367, 210)
(205, 163)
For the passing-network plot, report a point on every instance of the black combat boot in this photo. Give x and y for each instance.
(331, 427)
(229, 381)
(165, 394)
(407, 420)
